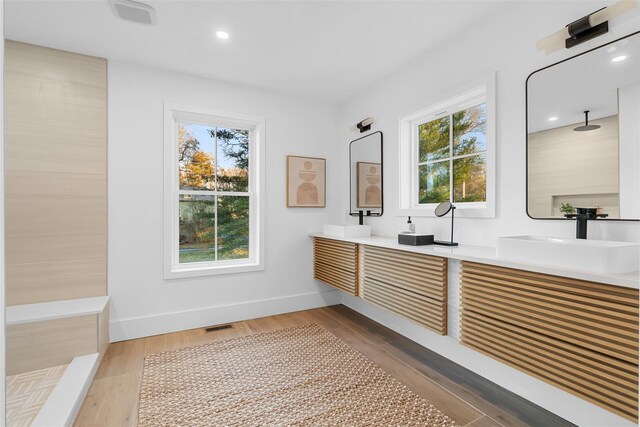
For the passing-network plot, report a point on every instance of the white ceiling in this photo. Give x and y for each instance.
(328, 50)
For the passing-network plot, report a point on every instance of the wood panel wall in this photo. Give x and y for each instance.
(579, 336)
(336, 263)
(410, 284)
(39, 345)
(557, 161)
(56, 174)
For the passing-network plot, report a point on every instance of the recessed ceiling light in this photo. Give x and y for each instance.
(619, 58)
(553, 118)
(222, 35)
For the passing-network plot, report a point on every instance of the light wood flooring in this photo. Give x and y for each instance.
(27, 393)
(464, 396)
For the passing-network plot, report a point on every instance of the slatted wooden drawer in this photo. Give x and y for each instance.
(577, 335)
(410, 284)
(336, 263)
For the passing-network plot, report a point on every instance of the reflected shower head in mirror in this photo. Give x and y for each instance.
(441, 210)
(586, 127)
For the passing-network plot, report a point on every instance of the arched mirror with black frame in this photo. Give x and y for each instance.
(366, 191)
(583, 134)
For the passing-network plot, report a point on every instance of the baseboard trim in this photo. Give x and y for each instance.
(138, 327)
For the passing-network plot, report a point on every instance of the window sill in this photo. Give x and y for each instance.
(485, 211)
(182, 272)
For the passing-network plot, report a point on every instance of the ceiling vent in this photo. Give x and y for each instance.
(134, 11)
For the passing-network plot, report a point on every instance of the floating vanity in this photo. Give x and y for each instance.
(576, 330)
(336, 263)
(577, 335)
(412, 285)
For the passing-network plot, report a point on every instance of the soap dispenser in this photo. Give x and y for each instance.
(411, 238)
(412, 226)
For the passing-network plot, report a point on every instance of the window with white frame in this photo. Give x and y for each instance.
(451, 160)
(212, 193)
(447, 154)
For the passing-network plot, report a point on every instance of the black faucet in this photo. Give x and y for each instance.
(583, 215)
(361, 215)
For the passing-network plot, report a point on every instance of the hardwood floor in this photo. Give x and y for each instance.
(464, 396)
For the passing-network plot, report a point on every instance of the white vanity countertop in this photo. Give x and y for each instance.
(487, 255)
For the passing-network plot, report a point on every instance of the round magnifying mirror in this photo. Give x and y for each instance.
(443, 208)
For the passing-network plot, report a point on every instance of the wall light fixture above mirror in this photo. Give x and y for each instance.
(580, 159)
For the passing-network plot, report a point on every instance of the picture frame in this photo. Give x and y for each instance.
(306, 182)
(369, 185)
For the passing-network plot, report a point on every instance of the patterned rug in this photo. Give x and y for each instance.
(298, 376)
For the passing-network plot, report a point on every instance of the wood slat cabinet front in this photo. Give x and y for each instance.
(577, 335)
(410, 284)
(336, 263)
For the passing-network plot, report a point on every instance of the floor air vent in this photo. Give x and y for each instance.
(217, 328)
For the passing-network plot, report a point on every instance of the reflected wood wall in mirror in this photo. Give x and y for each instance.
(567, 164)
(365, 171)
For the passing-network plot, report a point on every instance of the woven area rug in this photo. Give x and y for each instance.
(298, 376)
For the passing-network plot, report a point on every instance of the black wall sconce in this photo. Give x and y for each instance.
(363, 125)
(585, 28)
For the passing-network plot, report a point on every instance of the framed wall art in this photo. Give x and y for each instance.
(306, 182)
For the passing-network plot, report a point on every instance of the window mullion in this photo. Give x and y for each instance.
(215, 158)
(176, 193)
(215, 199)
(214, 193)
(416, 160)
(469, 155)
(451, 157)
(215, 224)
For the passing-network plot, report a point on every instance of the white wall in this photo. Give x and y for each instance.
(142, 302)
(504, 43)
(629, 105)
(2, 334)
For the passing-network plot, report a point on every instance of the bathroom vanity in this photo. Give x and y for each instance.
(562, 311)
(574, 329)
(413, 285)
(578, 335)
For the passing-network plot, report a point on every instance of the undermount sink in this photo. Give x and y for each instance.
(347, 230)
(598, 256)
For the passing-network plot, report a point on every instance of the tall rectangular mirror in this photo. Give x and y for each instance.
(583, 133)
(365, 169)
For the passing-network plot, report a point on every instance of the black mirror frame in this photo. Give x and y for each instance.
(526, 122)
(357, 213)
